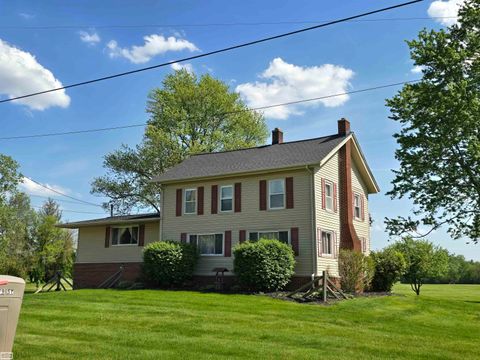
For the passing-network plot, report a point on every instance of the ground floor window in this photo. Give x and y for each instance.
(126, 235)
(281, 235)
(326, 243)
(208, 244)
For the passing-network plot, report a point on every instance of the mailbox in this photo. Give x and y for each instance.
(11, 294)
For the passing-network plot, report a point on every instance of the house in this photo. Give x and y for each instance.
(312, 194)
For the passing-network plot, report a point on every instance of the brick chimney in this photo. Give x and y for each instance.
(277, 136)
(343, 127)
(348, 236)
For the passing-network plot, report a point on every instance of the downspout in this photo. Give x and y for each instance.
(160, 232)
(313, 219)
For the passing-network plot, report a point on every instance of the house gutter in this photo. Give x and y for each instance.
(313, 219)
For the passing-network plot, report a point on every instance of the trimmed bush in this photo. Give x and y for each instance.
(168, 263)
(356, 271)
(389, 265)
(264, 265)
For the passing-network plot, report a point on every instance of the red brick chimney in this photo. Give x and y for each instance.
(348, 236)
(277, 136)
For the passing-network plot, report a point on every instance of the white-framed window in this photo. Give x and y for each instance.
(327, 243)
(329, 195)
(226, 198)
(357, 206)
(281, 235)
(276, 194)
(190, 204)
(124, 235)
(208, 244)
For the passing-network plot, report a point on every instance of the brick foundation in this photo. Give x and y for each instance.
(92, 275)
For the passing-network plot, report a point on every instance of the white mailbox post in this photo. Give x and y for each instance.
(11, 295)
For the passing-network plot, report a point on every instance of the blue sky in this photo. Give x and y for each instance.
(347, 56)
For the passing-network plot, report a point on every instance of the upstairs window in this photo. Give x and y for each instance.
(327, 243)
(208, 244)
(190, 206)
(226, 198)
(329, 196)
(276, 194)
(282, 236)
(125, 235)
(357, 206)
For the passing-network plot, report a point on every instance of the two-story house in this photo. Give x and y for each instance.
(311, 194)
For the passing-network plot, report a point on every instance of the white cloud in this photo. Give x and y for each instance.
(445, 11)
(21, 74)
(33, 188)
(179, 66)
(154, 45)
(287, 82)
(90, 38)
(26, 16)
(417, 69)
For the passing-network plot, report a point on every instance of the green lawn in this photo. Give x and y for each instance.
(444, 322)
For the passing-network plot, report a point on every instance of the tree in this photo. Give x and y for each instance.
(51, 208)
(187, 116)
(424, 261)
(389, 266)
(439, 140)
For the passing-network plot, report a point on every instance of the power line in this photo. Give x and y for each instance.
(61, 193)
(56, 199)
(73, 211)
(234, 47)
(140, 26)
(220, 114)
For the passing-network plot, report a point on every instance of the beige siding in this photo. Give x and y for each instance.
(249, 219)
(91, 245)
(358, 186)
(325, 219)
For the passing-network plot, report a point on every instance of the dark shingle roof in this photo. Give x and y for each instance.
(111, 220)
(268, 157)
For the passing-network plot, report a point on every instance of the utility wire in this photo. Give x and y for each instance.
(234, 47)
(57, 199)
(219, 114)
(61, 193)
(140, 26)
(73, 211)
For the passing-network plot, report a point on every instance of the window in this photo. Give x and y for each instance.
(276, 191)
(329, 196)
(327, 242)
(357, 204)
(126, 235)
(190, 201)
(208, 244)
(282, 236)
(226, 198)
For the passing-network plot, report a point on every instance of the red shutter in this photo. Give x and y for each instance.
(289, 189)
(141, 235)
(107, 236)
(263, 194)
(242, 236)
(335, 197)
(363, 207)
(323, 194)
(228, 243)
(214, 205)
(200, 200)
(294, 240)
(238, 197)
(183, 238)
(179, 202)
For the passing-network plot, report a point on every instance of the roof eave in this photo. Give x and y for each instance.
(90, 223)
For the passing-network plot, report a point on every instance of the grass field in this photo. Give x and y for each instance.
(444, 322)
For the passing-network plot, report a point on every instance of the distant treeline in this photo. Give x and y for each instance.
(460, 271)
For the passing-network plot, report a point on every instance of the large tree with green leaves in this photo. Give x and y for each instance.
(439, 139)
(188, 115)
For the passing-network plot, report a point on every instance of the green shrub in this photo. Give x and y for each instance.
(389, 266)
(169, 263)
(356, 270)
(264, 265)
